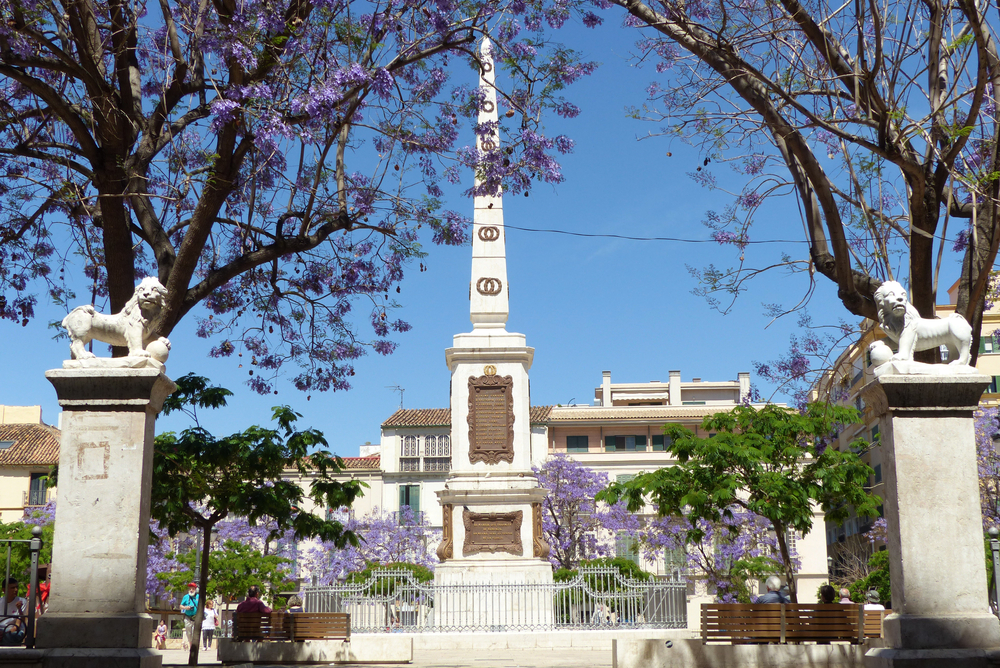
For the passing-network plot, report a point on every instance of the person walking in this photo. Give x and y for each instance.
(189, 608)
(208, 624)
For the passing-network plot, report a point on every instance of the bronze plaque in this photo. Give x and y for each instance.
(492, 532)
(491, 419)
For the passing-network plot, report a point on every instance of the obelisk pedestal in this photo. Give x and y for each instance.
(940, 614)
(96, 616)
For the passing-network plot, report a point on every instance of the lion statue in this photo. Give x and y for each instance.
(902, 323)
(132, 327)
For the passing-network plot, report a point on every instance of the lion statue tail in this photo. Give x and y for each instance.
(88, 308)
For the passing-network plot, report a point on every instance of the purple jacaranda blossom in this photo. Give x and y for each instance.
(385, 538)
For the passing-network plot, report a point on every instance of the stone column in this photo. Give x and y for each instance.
(96, 613)
(940, 614)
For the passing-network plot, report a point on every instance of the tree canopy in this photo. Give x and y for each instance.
(772, 462)
(270, 160)
(200, 480)
(880, 117)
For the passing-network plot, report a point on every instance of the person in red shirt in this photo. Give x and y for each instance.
(253, 602)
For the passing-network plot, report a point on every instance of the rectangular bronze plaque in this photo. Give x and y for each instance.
(491, 419)
(492, 532)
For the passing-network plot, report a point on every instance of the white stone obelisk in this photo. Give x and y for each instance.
(491, 502)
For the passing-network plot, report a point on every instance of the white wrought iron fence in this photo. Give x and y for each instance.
(393, 600)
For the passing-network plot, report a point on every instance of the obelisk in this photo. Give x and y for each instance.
(492, 502)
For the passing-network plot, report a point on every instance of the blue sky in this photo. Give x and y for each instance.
(585, 304)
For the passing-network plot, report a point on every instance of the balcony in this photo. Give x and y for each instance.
(35, 497)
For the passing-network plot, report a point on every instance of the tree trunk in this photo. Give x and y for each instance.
(206, 548)
(119, 260)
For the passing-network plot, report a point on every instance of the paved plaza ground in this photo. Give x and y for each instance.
(507, 658)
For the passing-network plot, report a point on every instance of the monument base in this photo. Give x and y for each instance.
(887, 657)
(933, 632)
(95, 630)
(101, 658)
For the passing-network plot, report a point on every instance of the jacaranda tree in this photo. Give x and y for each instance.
(879, 117)
(576, 527)
(267, 159)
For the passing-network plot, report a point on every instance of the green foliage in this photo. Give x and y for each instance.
(233, 569)
(386, 586)
(241, 474)
(877, 579)
(746, 572)
(764, 461)
(626, 568)
(20, 553)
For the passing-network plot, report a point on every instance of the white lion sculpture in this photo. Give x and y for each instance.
(902, 323)
(132, 327)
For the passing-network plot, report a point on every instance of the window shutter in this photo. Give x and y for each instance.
(415, 499)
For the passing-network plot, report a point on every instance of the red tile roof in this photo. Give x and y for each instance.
(361, 463)
(34, 445)
(441, 417)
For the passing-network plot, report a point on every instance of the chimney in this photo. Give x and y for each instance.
(675, 388)
(606, 389)
(744, 380)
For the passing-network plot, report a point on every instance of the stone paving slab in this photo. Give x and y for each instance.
(506, 658)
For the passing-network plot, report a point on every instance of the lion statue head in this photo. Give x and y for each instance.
(145, 305)
(894, 308)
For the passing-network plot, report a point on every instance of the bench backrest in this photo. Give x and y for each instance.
(260, 626)
(292, 626)
(790, 622)
(873, 623)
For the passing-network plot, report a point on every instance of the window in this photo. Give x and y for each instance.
(410, 444)
(987, 345)
(437, 446)
(874, 434)
(409, 495)
(626, 547)
(992, 389)
(624, 477)
(660, 442)
(437, 464)
(577, 444)
(624, 443)
(37, 489)
(674, 560)
(878, 475)
(5, 445)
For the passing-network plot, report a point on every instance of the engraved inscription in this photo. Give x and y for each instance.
(492, 532)
(489, 286)
(489, 233)
(92, 461)
(491, 419)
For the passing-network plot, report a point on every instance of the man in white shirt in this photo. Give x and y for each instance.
(13, 621)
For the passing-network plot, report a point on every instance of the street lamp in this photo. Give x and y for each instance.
(995, 550)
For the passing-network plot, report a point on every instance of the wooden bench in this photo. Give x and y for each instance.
(753, 623)
(873, 623)
(297, 626)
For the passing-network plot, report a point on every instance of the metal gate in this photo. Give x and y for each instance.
(393, 600)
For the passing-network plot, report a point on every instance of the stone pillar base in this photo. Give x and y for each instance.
(955, 631)
(101, 658)
(95, 630)
(886, 657)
